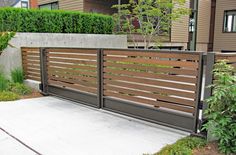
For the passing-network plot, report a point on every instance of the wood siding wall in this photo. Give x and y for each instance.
(203, 24)
(179, 29)
(66, 4)
(223, 41)
(99, 6)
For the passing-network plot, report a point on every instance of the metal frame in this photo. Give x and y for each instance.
(178, 120)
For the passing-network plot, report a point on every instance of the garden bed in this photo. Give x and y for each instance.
(209, 149)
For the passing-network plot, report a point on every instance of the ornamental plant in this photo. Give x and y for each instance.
(149, 18)
(221, 111)
(5, 37)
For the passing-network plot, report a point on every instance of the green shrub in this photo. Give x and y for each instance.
(8, 96)
(56, 21)
(3, 82)
(183, 146)
(5, 37)
(17, 75)
(19, 89)
(221, 111)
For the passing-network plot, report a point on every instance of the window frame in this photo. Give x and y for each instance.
(25, 2)
(51, 3)
(227, 12)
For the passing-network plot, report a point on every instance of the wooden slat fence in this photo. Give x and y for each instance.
(157, 79)
(230, 57)
(72, 69)
(31, 63)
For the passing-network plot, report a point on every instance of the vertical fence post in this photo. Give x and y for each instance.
(208, 78)
(199, 91)
(43, 71)
(210, 61)
(100, 77)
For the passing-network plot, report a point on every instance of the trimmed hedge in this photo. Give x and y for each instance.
(56, 21)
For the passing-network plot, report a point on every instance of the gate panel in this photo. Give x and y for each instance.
(161, 87)
(72, 74)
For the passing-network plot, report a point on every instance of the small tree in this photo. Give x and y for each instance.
(149, 18)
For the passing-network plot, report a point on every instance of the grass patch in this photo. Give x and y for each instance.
(17, 75)
(8, 96)
(20, 89)
(183, 146)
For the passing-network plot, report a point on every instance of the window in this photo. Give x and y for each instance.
(50, 6)
(24, 5)
(230, 21)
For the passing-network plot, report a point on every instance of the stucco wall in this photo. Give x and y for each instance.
(11, 57)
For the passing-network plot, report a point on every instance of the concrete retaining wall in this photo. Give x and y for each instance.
(11, 56)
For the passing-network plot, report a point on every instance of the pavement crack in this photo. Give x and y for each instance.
(18, 140)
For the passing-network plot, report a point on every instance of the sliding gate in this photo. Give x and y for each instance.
(159, 86)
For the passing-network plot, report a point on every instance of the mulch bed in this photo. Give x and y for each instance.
(34, 94)
(209, 149)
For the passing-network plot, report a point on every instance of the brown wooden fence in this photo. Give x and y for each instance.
(230, 57)
(73, 68)
(31, 63)
(159, 86)
(158, 79)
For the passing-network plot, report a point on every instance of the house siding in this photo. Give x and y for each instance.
(179, 29)
(223, 41)
(76, 5)
(203, 25)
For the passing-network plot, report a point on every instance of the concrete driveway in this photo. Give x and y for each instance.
(52, 126)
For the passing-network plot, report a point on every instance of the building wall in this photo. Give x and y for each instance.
(179, 29)
(223, 41)
(66, 4)
(33, 4)
(203, 24)
(99, 6)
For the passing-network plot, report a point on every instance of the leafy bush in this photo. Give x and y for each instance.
(3, 82)
(5, 37)
(8, 96)
(17, 75)
(221, 111)
(183, 146)
(19, 89)
(56, 21)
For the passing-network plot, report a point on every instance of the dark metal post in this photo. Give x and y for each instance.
(100, 77)
(210, 61)
(43, 70)
(199, 90)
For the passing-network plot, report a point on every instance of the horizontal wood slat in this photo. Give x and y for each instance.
(152, 75)
(146, 94)
(173, 92)
(156, 62)
(158, 54)
(149, 102)
(31, 63)
(151, 82)
(93, 57)
(177, 71)
(72, 61)
(73, 86)
(72, 66)
(70, 71)
(73, 81)
(85, 51)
